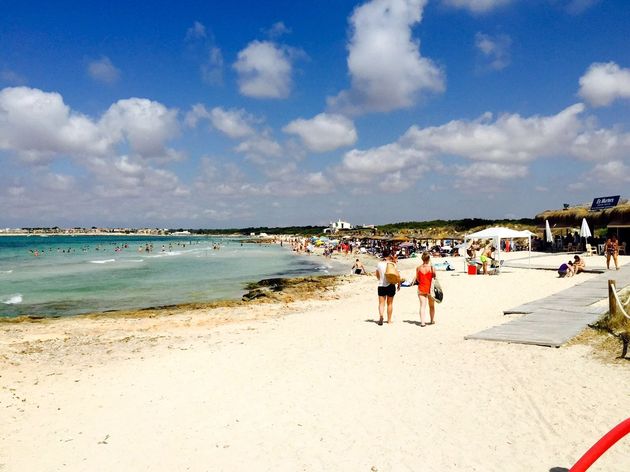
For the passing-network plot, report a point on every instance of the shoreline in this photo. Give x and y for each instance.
(183, 305)
(292, 289)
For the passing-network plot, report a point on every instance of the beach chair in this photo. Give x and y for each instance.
(622, 248)
(589, 250)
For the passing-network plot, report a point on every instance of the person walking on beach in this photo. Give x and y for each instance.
(612, 250)
(425, 273)
(386, 290)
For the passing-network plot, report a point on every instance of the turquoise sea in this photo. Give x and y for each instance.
(70, 275)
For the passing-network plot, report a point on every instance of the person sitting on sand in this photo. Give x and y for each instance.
(358, 268)
(578, 264)
(566, 269)
(425, 273)
(487, 255)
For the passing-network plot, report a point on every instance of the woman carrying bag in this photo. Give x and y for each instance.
(425, 274)
(388, 284)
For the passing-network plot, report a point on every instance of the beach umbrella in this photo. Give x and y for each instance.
(548, 235)
(585, 231)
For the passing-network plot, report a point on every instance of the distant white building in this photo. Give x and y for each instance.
(337, 226)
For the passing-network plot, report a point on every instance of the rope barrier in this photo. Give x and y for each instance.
(623, 311)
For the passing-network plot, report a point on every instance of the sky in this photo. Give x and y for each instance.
(203, 114)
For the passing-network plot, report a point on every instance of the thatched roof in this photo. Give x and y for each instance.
(573, 216)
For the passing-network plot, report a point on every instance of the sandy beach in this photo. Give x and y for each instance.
(310, 385)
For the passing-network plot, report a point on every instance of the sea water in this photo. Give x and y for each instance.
(70, 275)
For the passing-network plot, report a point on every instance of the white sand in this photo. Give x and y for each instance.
(321, 388)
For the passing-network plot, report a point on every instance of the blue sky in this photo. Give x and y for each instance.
(231, 114)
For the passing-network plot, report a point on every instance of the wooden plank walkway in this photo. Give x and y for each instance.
(554, 320)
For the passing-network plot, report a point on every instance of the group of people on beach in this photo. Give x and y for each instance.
(486, 256)
(388, 286)
(571, 268)
(577, 265)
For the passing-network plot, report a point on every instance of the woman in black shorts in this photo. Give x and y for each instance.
(386, 290)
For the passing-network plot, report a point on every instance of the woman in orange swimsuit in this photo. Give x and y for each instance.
(425, 273)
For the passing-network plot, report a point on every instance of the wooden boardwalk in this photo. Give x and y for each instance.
(554, 320)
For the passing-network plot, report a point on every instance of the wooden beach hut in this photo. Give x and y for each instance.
(615, 220)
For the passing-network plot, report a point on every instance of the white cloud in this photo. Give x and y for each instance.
(500, 148)
(11, 77)
(16, 191)
(264, 70)
(277, 29)
(212, 68)
(39, 125)
(360, 167)
(58, 182)
(495, 50)
(217, 178)
(603, 83)
(258, 147)
(197, 113)
(201, 44)
(127, 176)
(612, 172)
(386, 69)
(324, 132)
(196, 31)
(481, 171)
(235, 123)
(510, 138)
(298, 185)
(601, 144)
(145, 124)
(103, 71)
(476, 6)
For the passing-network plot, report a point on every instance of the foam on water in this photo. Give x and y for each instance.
(6, 271)
(12, 299)
(116, 272)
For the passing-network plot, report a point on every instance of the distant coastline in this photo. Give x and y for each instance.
(123, 234)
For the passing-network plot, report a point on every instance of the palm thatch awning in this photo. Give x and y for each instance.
(573, 216)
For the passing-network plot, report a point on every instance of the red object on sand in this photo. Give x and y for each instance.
(472, 269)
(601, 446)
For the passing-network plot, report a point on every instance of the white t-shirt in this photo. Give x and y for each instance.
(382, 267)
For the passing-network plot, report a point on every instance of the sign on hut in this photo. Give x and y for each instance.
(601, 203)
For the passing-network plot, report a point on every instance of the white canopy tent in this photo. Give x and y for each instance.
(497, 234)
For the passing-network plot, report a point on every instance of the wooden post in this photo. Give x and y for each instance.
(612, 303)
